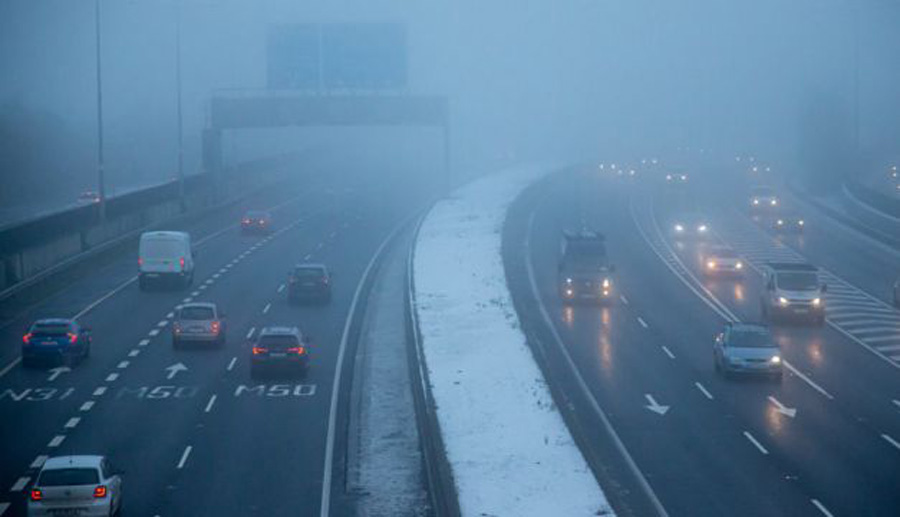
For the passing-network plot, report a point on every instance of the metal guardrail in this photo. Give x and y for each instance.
(442, 492)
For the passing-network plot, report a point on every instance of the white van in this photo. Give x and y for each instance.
(164, 257)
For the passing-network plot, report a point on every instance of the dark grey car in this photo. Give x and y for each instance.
(747, 348)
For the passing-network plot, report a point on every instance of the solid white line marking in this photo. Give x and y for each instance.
(756, 443)
(891, 441)
(134, 353)
(250, 332)
(184, 457)
(73, 422)
(19, 484)
(624, 300)
(86, 406)
(642, 322)
(231, 363)
(880, 339)
(39, 461)
(100, 391)
(111, 377)
(266, 308)
(668, 352)
(703, 390)
(209, 405)
(10, 366)
(809, 381)
(281, 288)
(56, 441)
(122, 365)
(144, 342)
(821, 508)
(154, 332)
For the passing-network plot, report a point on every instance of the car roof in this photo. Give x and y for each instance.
(166, 234)
(280, 331)
(54, 321)
(61, 462)
(205, 305)
(310, 265)
(258, 212)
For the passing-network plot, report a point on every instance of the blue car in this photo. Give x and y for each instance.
(55, 340)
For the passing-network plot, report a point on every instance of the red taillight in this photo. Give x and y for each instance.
(140, 262)
(36, 494)
(214, 327)
(73, 338)
(100, 491)
(26, 338)
(181, 261)
(259, 350)
(299, 350)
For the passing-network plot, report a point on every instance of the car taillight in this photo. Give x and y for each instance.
(181, 261)
(246, 221)
(140, 262)
(73, 338)
(324, 280)
(299, 350)
(36, 494)
(26, 338)
(259, 350)
(214, 327)
(100, 491)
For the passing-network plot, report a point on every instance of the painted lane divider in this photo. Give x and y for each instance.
(72, 423)
(821, 508)
(134, 353)
(112, 377)
(100, 391)
(39, 461)
(703, 390)
(781, 408)
(250, 332)
(891, 441)
(281, 288)
(87, 406)
(184, 457)
(667, 351)
(266, 308)
(153, 333)
(144, 342)
(231, 364)
(642, 322)
(122, 365)
(20, 484)
(56, 441)
(655, 406)
(755, 443)
(209, 405)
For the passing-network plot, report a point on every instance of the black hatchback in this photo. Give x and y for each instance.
(309, 282)
(55, 340)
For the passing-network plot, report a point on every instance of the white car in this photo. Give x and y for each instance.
(76, 485)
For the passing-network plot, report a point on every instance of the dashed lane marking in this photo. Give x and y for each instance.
(250, 332)
(144, 342)
(112, 377)
(703, 390)
(87, 406)
(162, 323)
(891, 441)
(184, 457)
(154, 332)
(755, 443)
(3, 508)
(281, 288)
(38, 461)
(100, 391)
(821, 508)
(231, 364)
(642, 322)
(10, 366)
(73, 422)
(56, 441)
(624, 300)
(266, 308)
(170, 315)
(209, 405)
(667, 351)
(134, 353)
(122, 365)
(20, 484)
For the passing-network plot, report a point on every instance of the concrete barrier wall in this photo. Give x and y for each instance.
(33, 248)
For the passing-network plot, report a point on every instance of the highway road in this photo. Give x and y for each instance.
(824, 441)
(191, 431)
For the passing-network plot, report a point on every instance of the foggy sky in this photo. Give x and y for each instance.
(526, 79)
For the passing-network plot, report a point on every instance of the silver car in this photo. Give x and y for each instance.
(76, 485)
(747, 348)
(198, 323)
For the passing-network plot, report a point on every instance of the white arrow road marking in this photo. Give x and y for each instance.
(174, 369)
(781, 408)
(56, 372)
(655, 406)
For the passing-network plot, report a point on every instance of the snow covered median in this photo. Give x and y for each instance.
(508, 447)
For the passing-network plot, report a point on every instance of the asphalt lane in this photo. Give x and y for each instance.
(722, 447)
(175, 437)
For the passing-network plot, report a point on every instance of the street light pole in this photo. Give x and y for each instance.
(101, 180)
(180, 130)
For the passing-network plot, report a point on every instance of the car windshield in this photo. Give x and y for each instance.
(257, 215)
(278, 342)
(798, 281)
(750, 339)
(197, 313)
(69, 477)
(308, 272)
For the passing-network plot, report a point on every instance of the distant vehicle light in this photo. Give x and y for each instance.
(774, 202)
(684, 177)
(702, 228)
(800, 222)
(26, 338)
(779, 222)
(259, 350)
(72, 337)
(782, 300)
(755, 201)
(299, 350)
(606, 283)
(711, 264)
(679, 228)
(739, 265)
(568, 280)
(100, 492)
(181, 263)
(36, 494)
(775, 359)
(214, 327)
(816, 302)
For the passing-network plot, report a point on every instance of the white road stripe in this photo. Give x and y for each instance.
(891, 441)
(223, 271)
(881, 339)
(10, 366)
(195, 294)
(755, 443)
(19, 484)
(73, 422)
(250, 332)
(216, 275)
(187, 300)
(266, 308)
(154, 332)
(87, 406)
(170, 315)
(668, 352)
(162, 323)
(209, 405)
(3, 508)
(56, 441)
(144, 342)
(807, 380)
(888, 348)
(134, 353)
(184, 457)
(100, 391)
(122, 365)
(208, 282)
(307, 256)
(624, 300)
(281, 288)
(821, 508)
(38, 462)
(893, 331)
(703, 390)
(231, 363)
(112, 377)
(202, 287)
(642, 322)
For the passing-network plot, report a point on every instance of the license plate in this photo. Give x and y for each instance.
(195, 329)
(309, 284)
(801, 311)
(278, 354)
(151, 275)
(66, 511)
(48, 343)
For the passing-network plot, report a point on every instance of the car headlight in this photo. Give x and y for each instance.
(668, 177)
(775, 359)
(800, 222)
(774, 202)
(684, 177)
(702, 228)
(568, 280)
(679, 228)
(711, 264)
(779, 222)
(782, 300)
(606, 283)
(816, 302)
(739, 265)
(755, 201)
